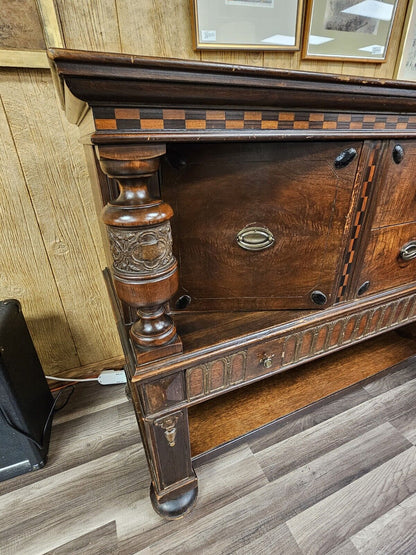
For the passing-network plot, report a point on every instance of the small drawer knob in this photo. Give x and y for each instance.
(363, 288)
(343, 159)
(398, 154)
(319, 298)
(267, 361)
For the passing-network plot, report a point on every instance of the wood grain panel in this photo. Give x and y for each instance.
(239, 57)
(383, 266)
(156, 28)
(338, 516)
(396, 198)
(25, 271)
(54, 169)
(102, 540)
(393, 532)
(347, 459)
(90, 25)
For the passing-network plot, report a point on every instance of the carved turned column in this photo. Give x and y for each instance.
(144, 268)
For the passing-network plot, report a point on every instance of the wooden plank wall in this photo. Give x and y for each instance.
(51, 252)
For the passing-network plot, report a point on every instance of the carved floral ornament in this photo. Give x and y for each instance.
(141, 251)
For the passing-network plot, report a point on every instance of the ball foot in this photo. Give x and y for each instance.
(174, 508)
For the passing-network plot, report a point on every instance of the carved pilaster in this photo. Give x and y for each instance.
(144, 268)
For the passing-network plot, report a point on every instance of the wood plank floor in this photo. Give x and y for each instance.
(338, 477)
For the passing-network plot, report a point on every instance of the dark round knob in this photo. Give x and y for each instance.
(398, 154)
(183, 302)
(343, 159)
(363, 288)
(319, 298)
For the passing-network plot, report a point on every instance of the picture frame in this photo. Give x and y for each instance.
(349, 30)
(27, 28)
(246, 24)
(405, 69)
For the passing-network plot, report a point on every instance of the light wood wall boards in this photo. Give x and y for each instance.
(51, 252)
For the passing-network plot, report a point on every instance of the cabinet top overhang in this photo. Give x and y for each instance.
(118, 81)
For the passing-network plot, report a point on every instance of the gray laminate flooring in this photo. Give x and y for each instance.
(338, 477)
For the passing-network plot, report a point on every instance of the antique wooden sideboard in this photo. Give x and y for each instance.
(257, 219)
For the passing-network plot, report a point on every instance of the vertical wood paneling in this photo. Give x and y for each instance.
(54, 170)
(247, 58)
(90, 24)
(25, 272)
(154, 28)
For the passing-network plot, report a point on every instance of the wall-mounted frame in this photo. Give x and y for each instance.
(27, 28)
(406, 60)
(357, 30)
(246, 24)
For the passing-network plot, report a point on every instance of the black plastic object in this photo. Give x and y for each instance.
(26, 404)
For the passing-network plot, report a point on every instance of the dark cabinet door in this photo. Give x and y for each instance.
(258, 226)
(397, 185)
(390, 257)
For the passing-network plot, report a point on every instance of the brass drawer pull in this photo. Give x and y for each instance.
(408, 251)
(267, 361)
(255, 238)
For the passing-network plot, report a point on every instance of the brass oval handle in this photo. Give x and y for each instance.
(255, 238)
(408, 251)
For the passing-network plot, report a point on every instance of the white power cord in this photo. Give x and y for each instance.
(107, 377)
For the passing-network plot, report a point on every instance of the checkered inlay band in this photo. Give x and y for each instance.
(359, 218)
(158, 119)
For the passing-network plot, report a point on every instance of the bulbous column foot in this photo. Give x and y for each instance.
(176, 507)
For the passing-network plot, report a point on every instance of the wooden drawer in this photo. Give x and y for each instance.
(397, 186)
(383, 265)
(291, 189)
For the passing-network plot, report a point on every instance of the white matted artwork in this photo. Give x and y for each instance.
(349, 29)
(247, 24)
(252, 3)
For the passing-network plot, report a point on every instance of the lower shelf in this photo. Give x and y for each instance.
(232, 415)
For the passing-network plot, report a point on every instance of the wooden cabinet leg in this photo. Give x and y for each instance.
(174, 486)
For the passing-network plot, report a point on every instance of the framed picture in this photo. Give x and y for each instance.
(27, 27)
(406, 60)
(356, 30)
(246, 24)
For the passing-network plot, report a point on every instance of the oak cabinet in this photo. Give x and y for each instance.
(258, 219)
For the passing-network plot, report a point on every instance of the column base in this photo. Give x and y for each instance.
(174, 508)
(144, 355)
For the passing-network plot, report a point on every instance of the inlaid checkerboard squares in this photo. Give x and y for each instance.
(158, 119)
